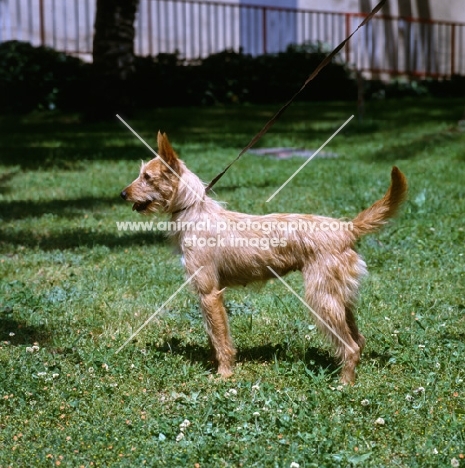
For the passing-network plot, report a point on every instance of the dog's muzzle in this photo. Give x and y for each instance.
(138, 206)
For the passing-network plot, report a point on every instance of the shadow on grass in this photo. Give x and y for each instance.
(315, 359)
(67, 159)
(24, 334)
(382, 358)
(5, 180)
(21, 209)
(412, 148)
(69, 237)
(78, 238)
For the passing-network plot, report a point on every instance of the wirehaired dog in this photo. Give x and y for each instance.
(207, 235)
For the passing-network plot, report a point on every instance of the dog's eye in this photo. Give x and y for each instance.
(146, 176)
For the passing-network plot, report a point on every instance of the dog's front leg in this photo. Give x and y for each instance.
(216, 324)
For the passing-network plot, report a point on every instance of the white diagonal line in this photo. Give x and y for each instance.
(329, 327)
(311, 157)
(158, 310)
(161, 159)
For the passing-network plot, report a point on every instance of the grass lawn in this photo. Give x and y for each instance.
(73, 289)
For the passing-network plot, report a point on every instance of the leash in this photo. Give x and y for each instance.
(275, 117)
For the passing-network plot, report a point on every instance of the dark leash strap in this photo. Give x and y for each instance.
(276, 116)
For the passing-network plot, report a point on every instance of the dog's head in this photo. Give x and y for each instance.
(158, 180)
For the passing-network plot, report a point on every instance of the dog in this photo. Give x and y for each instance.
(206, 235)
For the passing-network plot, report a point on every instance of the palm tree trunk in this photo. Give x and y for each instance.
(113, 57)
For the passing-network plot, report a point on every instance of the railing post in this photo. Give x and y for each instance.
(264, 30)
(452, 50)
(42, 22)
(347, 15)
(150, 32)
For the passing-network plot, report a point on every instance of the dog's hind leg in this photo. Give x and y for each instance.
(330, 293)
(216, 324)
(352, 324)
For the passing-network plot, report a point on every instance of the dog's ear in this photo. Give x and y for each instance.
(160, 140)
(166, 151)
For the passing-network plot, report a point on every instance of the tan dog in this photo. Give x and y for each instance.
(224, 248)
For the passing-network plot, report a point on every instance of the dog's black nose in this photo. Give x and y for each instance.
(124, 195)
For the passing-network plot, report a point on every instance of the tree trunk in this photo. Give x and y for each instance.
(113, 57)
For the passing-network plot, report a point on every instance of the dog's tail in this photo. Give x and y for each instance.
(374, 217)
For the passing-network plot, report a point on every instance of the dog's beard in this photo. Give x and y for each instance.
(152, 205)
(141, 206)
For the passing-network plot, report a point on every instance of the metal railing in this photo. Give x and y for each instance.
(195, 29)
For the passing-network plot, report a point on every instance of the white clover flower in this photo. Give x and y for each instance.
(294, 465)
(256, 414)
(256, 387)
(29, 349)
(184, 425)
(435, 451)
(455, 463)
(179, 437)
(365, 402)
(233, 391)
(55, 375)
(380, 422)
(41, 374)
(90, 370)
(11, 334)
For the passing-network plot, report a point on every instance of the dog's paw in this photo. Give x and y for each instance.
(348, 377)
(225, 372)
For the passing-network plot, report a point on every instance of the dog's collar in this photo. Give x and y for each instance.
(183, 209)
(180, 210)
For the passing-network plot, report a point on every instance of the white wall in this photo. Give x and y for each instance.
(195, 30)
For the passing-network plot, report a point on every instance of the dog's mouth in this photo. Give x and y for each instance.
(141, 206)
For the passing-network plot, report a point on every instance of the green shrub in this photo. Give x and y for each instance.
(231, 77)
(160, 81)
(454, 87)
(38, 77)
(281, 75)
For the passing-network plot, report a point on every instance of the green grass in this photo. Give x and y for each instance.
(78, 288)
